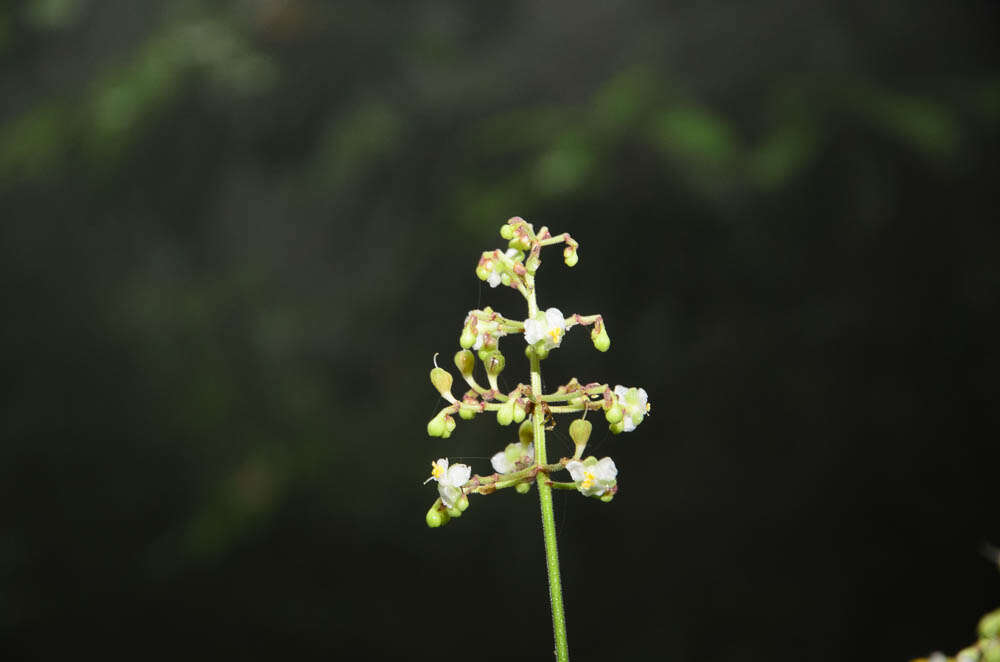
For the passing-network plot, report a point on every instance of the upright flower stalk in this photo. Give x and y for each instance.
(525, 462)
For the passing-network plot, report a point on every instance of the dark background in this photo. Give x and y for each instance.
(234, 234)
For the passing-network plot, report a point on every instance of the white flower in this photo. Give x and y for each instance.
(494, 278)
(635, 405)
(548, 327)
(506, 460)
(593, 477)
(450, 480)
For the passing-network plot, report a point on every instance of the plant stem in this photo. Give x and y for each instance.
(545, 499)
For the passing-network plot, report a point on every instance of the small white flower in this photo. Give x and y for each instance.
(635, 405)
(593, 477)
(506, 460)
(494, 278)
(450, 480)
(548, 327)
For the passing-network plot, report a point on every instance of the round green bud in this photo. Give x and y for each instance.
(505, 414)
(437, 517)
(495, 363)
(441, 379)
(465, 362)
(436, 426)
(449, 425)
(526, 433)
(614, 414)
(600, 337)
(617, 428)
(579, 431)
(991, 650)
(454, 512)
(462, 503)
(505, 278)
(519, 411)
(467, 339)
(541, 351)
(506, 231)
(467, 413)
(989, 625)
(520, 242)
(523, 488)
(570, 257)
(606, 497)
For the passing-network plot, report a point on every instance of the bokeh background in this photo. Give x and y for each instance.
(234, 233)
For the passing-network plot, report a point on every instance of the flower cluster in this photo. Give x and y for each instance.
(523, 462)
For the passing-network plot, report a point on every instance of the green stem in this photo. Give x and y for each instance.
(545, 500)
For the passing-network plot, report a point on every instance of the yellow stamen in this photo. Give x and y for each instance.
(555, 333)
(588, 480)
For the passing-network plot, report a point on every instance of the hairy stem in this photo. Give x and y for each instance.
(545, 499)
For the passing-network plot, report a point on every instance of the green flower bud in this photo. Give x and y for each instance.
(614, 414)
(520, 242)
(454, 512)
(989, 625)
(467, 339)
(579, 431)
(505, 278)
(617, 428)
(970, 654)
(570, 257)
(606, 497)
(467, 413)
(463, 503)
(505, 414)
(449, 425)
(436, 426)
(991, 650)
(523, 488)
(506, 231)
(526, 433)
(536, 350)
(436, 516)
(519, 411)
(442, 380)
(494, 362)
(484, 268)
(465, 362)
(599, 336)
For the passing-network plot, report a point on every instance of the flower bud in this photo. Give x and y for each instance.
(436, 426)
(614, 414)
(505, 278)
(454, 512)
(523, 488)
(519, 411)
(449, 425)
(437, 517)
(989, 625)
(494, 362)
(521, 242)
(526, 433)
(463, 503)
(538, 350)
(579, 431)
(617, 428)
(606, 497)
(465, 362)
(506, 231)
(442, 380)
(505, 414)
(468, 337)
(599, 336)
(570, 257)
(467, 413)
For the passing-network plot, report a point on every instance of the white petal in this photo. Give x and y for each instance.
(606, 470)
(620, 391)
(459, 474)
(627, 424)
(531, 451)
(501, 464)
(512, 253)
(494, 278)
(555, 319)
(533, 331)
(575, 468)
(449, 495)
(643, 399)
(479, 342)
